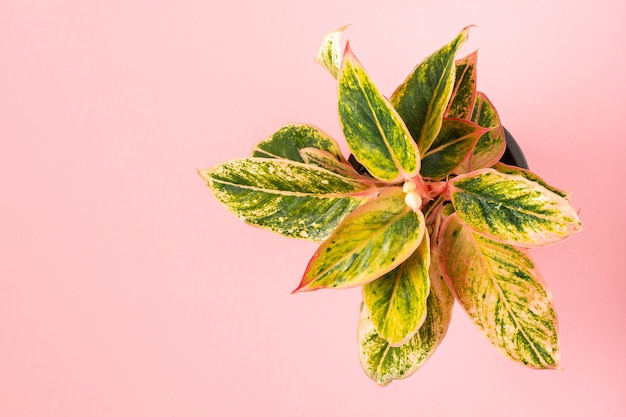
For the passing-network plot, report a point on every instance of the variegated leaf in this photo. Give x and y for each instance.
(513, 170)
(423, 98)
(329, 54)
(286, 197)
(501, 290)
(383, 362)
(375, 133)
(287, 142)
(455, 141)
(397, 300)
(492, 144)
(512, 209)
(370, 242)
(328, 161)
(461, 104)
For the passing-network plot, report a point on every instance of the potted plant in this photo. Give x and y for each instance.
(431, 217)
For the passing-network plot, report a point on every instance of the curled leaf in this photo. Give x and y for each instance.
(329, 54)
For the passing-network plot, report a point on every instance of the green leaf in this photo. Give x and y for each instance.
(423, 98)
(383, 362)
(508, 169)
(397, 300)
(371, 241)
(491, 145)
(329, 54)
(289, 198)
(503, 293)
(287, 142)
(374, 131)
(512, 209)
(461, 104)
(455, 141)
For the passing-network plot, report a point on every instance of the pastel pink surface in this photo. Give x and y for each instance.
(126, 289)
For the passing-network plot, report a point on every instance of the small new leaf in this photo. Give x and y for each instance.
(371, 241)
(397, 300)
(423, 98)
(374, 131)
(503, 293)
(329, 54)
(287, 197)
(512, 209)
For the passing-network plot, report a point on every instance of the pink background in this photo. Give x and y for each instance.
(126, 289)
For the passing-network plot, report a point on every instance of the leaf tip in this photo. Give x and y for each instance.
(304, 286)
(467, 28)
(204, 174)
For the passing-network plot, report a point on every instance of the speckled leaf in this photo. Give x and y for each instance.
(371, 241)
(375, 133)
(286, 197)
(513, 170)
(329, 54)
(383, 362)
(492, 144)
(289, 140)
(455, 141)
(503, 293)
(423, 98)
(461, 103)
(330, 162)
(397, 300)
(512, 209)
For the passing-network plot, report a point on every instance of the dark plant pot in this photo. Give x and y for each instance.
(513, 155)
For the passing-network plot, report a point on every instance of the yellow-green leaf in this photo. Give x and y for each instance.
(455, 141)
(492, 143)
(382, 362)
(512, 209)
(329, 54)
(287, 197)
(509, 169)
(375, 133)
(461, 102)
(287, 142)
(423, 98)
(370, 242)
(397, 300)
(504, 294)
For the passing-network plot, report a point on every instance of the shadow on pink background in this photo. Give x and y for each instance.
(127, 290)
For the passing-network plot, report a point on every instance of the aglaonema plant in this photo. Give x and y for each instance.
(434, 216)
